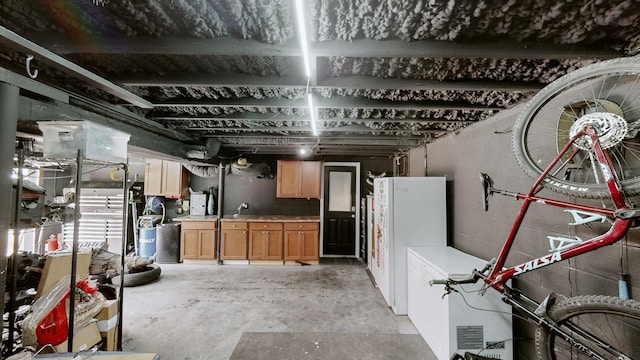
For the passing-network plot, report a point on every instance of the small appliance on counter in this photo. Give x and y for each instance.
(198, 205)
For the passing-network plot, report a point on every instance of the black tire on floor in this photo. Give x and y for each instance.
(151, 273)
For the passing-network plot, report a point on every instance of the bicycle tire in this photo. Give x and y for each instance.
(611, 87)
(615, 321)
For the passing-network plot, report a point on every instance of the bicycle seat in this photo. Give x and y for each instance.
(487, 189)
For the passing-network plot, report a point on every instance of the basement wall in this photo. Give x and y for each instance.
(245, 186)
(486, 147)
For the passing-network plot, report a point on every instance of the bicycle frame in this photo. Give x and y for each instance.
(622, 213)
(499, 275)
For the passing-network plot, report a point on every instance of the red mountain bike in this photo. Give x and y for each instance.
(593, 117)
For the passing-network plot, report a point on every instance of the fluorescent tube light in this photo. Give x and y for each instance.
(312, 112)
(302, 33)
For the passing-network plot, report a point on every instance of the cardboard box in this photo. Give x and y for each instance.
(83, 339)
(108, 325)
(108, 312)
(110, 339)
(58, 265)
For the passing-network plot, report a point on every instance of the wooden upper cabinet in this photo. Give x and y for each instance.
(298, 179)
(165, 178)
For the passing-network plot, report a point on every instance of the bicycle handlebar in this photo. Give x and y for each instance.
(438, 282)
(460, 279)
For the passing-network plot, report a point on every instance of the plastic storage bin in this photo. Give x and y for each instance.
(63, 139)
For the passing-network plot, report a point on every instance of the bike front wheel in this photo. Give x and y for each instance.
(614, 322)
(605, 96)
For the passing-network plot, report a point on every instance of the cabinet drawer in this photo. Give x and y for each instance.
(265, 226)
(198, 225)
(230, 225)
(309, 226)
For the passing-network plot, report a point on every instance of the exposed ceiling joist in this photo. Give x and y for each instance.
(328, 103)
(224, 79)
(360, 140)
(178, 45)
(308, 129)
(263, 117)
(288, 150)
(231, 79)
(14, 41)
(39, 88)
(369, 82)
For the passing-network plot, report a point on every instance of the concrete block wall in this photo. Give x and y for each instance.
(486, 147)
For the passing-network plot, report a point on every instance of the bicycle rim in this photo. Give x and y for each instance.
(614, 321)
(610, 91)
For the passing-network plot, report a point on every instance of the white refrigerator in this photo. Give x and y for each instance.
(409, 211)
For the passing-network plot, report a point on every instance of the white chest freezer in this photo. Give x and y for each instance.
(448, 324)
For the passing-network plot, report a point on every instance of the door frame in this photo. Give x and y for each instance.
(356, 166)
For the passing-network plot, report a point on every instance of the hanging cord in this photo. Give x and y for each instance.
(476, 292)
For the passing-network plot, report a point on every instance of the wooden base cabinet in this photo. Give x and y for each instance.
(233, 245)
(301, 241)
(265, 241)
(198, 240)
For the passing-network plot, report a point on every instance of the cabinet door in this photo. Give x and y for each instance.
(166, 178)
(288, 179)
(257, 244)
(233, 245)
(265, 245)
(153, 177)
(292, 245)
(273, 245)
(310, 243)
(172, 178)
(310, 179)
(189, 244)
(207, 245)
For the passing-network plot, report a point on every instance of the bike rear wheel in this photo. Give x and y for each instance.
(614, 321)
(605, 95)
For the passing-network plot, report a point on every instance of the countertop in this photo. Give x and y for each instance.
(197, 218)
(272, 218)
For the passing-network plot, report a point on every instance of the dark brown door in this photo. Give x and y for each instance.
(339, 237)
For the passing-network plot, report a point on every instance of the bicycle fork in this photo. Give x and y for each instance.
(538, 312)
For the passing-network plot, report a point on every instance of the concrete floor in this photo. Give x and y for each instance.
(204, 311)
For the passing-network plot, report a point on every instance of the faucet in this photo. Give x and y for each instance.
(244, 205)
